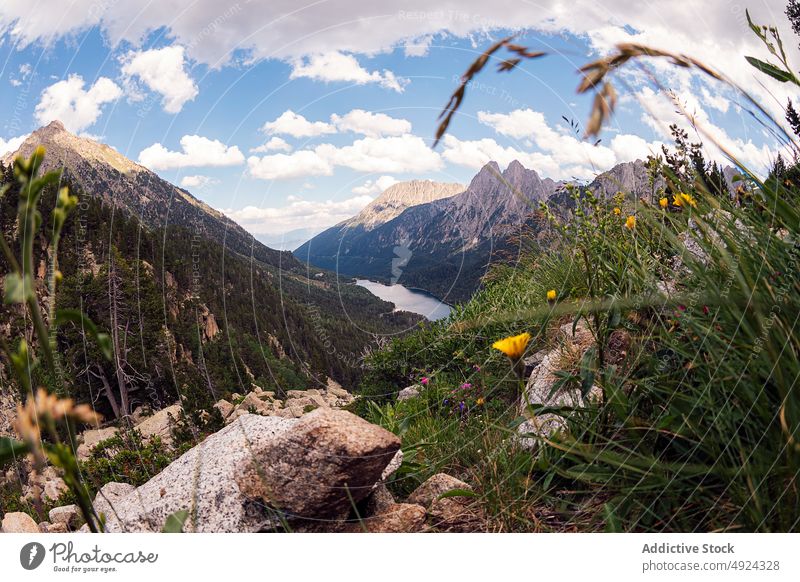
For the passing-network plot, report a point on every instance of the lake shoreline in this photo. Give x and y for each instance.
(411, 299)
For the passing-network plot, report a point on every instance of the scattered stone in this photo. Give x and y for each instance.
(336, 389)
(46, 486)
(92, 438)
(161, 424)
(67, 515)
(252, 403)
(225, 408)
(457, 513)
(409, 392)
(397, 518)
(378, 501)
(327, 461)
(539, 388)
(18, 522)
(434, 487)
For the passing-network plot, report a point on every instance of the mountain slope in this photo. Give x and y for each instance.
(202, 308)
(442, 246)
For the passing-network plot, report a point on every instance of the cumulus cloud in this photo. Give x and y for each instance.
(11, 144)
(274, 144)
(375, 186)
(294, 124)
(399, 154)
(195, 151)
(554, 152)
(163, 71)
(297, 214)
(370, 124)
(335, 66)
(198, 181)
(286, 166)
(77, 108)
(355, 121)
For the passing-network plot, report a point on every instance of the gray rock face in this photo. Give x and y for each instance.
(427, 493)
(326, 462)
(203, 481)
(106, 499)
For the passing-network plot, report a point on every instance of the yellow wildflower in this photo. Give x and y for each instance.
(630, 223)
(617, 211)
(513, 346)
(551, 295)
(663, 202)
(682, 198)
(480, 401)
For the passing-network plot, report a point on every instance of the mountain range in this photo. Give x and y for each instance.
(445, 245)
(201, 308)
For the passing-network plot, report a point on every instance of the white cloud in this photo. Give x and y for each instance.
(371, 124)
(195, 151)
(76, 107)
(717, 101)
(294, 124)
(716, 141)
(197, 181)
(11, 144)
(336, 66)
(274, 144)
(163, 71)
(375, 186)
(297, 214)
(398, 154)
(285, 166)
(356, 121)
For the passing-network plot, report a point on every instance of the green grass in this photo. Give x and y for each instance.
(699, 426)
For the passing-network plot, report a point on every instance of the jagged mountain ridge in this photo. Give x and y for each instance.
(442, 246)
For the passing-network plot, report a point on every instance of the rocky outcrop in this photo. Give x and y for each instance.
(328, 461)
(203, 481)
(539, 388)
(296, 404)
(260, 473)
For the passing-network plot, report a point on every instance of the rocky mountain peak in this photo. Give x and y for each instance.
(398, 197)
(69, 150)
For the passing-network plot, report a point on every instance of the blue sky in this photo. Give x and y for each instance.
(288, 117)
